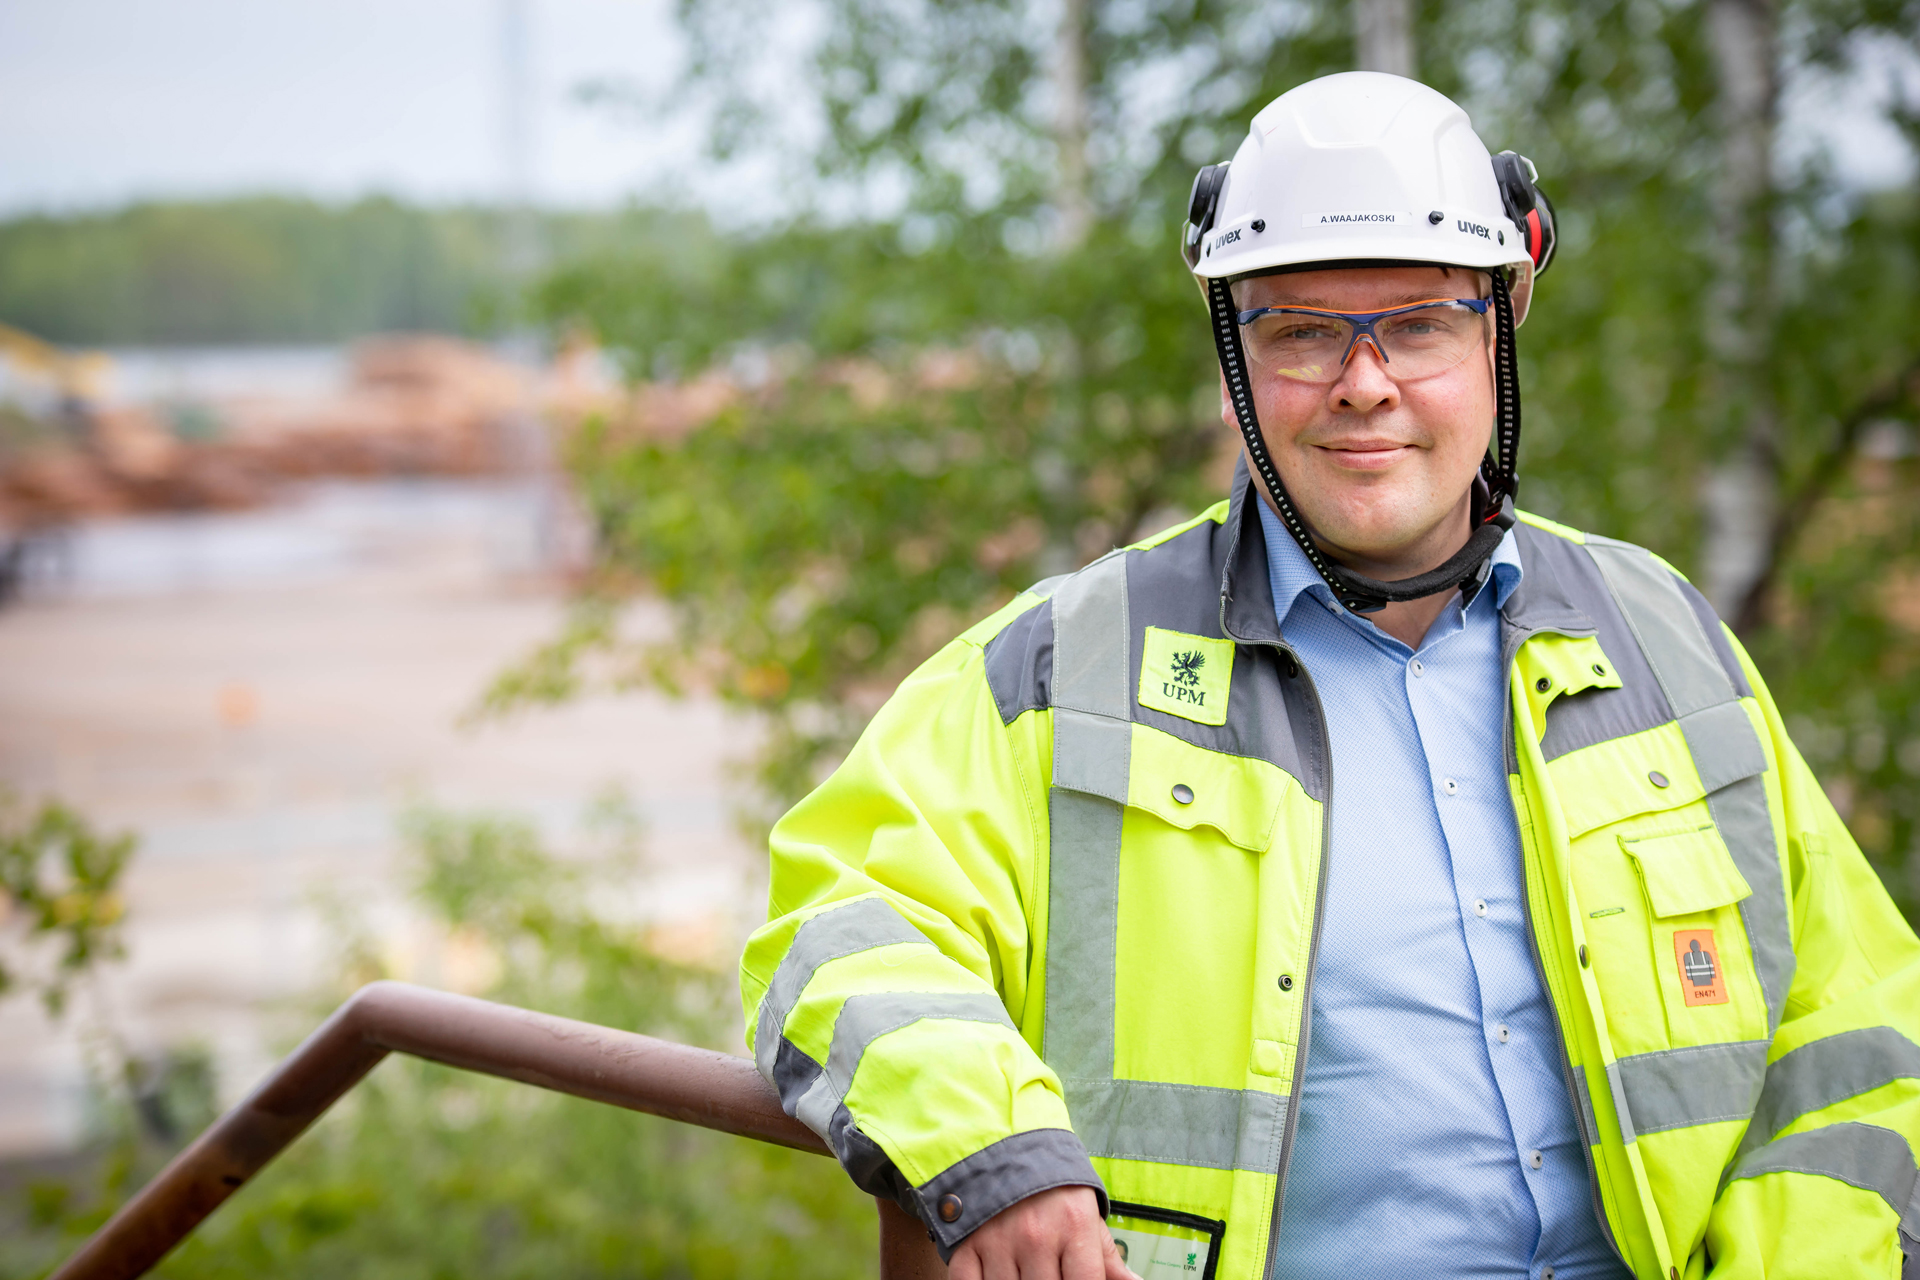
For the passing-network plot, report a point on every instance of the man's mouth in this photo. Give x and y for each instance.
(1366, 455)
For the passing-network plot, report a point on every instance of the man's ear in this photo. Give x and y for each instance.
(1227, 415)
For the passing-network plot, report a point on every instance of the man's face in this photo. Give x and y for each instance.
(1376, 466)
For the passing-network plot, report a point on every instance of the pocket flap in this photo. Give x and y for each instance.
(1686, 871)
(1187, 787)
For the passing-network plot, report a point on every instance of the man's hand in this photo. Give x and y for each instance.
(1054, 1235)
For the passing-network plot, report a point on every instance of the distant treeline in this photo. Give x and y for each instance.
(278, 269)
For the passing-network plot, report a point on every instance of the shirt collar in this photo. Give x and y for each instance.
(1291, 573)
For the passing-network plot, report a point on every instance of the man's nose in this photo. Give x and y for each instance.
(1363, 385)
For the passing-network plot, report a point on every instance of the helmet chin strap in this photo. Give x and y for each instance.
(1493, 490)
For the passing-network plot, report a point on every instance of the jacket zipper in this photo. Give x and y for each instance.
(1588, 1140)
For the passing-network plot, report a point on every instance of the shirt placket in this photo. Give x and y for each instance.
(1468, 797)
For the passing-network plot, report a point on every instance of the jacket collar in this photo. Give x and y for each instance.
(1541, 602)
(1246, 594)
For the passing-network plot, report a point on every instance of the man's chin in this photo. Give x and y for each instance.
(1368, 545)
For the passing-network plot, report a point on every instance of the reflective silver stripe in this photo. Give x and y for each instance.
(864, 1019)
(1700, 1084)
(1091, 663)
(1723, 745)
(1860, 1155)
(1092, 754)
(860, 925)
(1823, 1072)
(1178, 1123)
(1740, 812)
(1725, 750)
(1621, 1111)
(1083, 895)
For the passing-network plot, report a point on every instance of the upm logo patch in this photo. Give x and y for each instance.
(1186, 675)
(1701, 979)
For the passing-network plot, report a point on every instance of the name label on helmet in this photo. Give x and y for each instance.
(1474, 229)
(1390, 218)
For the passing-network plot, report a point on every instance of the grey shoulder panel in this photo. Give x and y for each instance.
(1020, 663)
(1561, 584)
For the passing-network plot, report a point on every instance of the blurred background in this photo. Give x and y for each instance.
(466, 467)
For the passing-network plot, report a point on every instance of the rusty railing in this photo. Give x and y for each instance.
(695, 1086)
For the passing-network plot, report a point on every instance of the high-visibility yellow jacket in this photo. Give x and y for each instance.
(1056, 917)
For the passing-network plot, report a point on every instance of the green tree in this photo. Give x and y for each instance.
(1644, 369)
(280, 269)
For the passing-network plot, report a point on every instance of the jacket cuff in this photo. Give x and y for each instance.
(957, 1202)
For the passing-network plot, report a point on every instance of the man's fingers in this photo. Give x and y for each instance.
(1114, 1268)
(1037, 1264)
(1083, 1259)
(965, 1264)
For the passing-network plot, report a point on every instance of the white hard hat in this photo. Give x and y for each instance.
(1366, 167)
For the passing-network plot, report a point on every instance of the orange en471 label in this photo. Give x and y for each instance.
(1701, 979)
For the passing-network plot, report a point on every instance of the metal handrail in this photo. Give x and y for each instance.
(641, 1073)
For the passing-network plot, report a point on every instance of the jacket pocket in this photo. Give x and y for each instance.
(1685, 870)
(1187, 787)
(1650, 888)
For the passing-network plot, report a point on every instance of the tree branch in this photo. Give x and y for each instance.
(1792, 518)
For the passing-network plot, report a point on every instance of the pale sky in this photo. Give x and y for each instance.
(102, 101)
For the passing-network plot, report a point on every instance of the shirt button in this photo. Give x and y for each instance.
(1535, 1159)
(1546, 1273)
(1502, 1034)
(1415, 667)
(1449, 786)
(1480, 906)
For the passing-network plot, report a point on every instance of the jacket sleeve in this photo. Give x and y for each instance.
(1824, 1183)
(886, 996)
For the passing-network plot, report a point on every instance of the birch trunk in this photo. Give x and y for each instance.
(1383, 36)
(1073, 197)
(1741, 494)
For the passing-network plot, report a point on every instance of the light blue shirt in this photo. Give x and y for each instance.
(1436, 1136)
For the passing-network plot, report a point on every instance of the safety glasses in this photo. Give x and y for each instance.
(1418, 340)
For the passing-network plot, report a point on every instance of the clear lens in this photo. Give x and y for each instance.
(1310, 346)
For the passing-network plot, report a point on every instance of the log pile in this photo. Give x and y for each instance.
(413, 405)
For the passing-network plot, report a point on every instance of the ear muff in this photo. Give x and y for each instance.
(1527, 205)
(1202, 205)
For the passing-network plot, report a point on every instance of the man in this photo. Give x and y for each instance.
(1354, 880)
